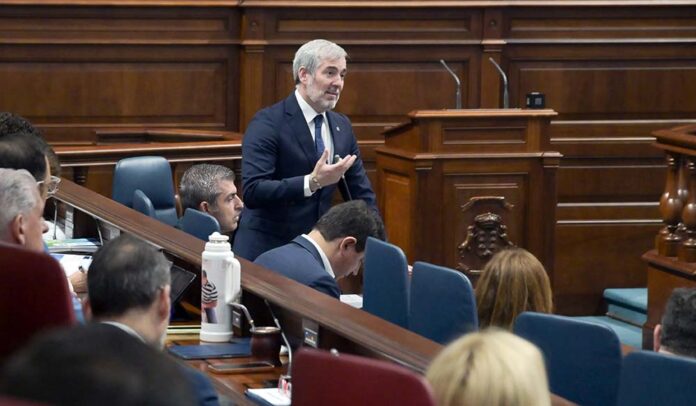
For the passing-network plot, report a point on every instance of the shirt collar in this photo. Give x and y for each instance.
(324, 259)
(126, 328)
(307, 111)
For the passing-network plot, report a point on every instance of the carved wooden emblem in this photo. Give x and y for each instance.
(484, 238)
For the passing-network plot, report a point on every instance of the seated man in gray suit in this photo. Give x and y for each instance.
(333, 249)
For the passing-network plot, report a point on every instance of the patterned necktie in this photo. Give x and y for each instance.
(318, 141)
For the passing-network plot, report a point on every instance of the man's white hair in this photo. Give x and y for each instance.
(311, 54)
(18, 195)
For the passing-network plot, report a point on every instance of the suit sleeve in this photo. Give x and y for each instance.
(326, 285)
(202, 388)
(260, 149)
(357, 180)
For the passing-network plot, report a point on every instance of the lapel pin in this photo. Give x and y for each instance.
(338, 129)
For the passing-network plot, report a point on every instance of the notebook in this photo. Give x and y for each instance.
(239, 348)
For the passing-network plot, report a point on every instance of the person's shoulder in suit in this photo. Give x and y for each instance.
(272, 116)
(295, 262)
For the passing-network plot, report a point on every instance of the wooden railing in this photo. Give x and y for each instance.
(672, 263)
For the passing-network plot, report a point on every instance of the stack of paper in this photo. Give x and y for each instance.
(353, 300)
(268, 396)
(73, 263)
(74, 245)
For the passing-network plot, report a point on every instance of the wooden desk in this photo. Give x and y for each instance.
(231, 386)
(338, 325)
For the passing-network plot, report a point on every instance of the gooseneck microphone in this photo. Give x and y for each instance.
(282, 335)
(343, 179)
(506, 96)
(458, 89)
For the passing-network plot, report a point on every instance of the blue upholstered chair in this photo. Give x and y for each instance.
(153, 176)
(583, 359)
(385, 282)
(649, 378)
(143, 204)
(199, 224)
(443, 305)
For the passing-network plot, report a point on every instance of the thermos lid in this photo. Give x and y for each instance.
(217, 237)
(218, 242)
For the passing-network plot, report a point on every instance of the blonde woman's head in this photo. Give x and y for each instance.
(512, 282)
(493, 368)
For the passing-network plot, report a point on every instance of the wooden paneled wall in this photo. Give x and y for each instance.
(614, 71)
(72, 69)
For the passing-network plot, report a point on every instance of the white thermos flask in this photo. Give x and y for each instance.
(220, 285)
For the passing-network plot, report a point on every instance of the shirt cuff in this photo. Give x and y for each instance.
(307, 190)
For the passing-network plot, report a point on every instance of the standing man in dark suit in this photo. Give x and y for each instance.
(333, 249)
(295, 152)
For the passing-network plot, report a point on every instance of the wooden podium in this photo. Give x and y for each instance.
(455, 186)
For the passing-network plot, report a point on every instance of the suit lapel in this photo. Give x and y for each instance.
(300, 130)
(338, 135)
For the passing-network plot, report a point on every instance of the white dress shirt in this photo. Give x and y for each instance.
(324, 258)
(309, 115)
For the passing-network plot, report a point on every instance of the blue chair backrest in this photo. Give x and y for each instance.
(649, 378)
(385, 282)
(152, 175)
(143, 204)
(199, 224)
(583, 359)
(442, 305)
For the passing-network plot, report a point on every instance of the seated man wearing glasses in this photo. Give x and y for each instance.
(26, 151)
(14, 124)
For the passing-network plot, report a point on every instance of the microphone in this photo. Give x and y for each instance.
(506, 96)
(458, 90)
(282, 335)
(343, 179)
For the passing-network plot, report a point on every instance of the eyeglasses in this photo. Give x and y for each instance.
(51, 185)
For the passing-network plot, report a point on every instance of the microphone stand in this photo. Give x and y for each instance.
(458, 90)
(506, 96)
(282, 334)
(343, 179)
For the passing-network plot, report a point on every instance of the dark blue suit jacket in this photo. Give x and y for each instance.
(277, 153)
(299, 260)
(202, 387)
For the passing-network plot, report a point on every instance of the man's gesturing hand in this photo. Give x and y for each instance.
(328, 174)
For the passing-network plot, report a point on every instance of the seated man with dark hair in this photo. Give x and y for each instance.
(128, 286)
(210, 189)
(15, 124)
(677, 332)
(94, 365)
(22, 151)
(333, 249)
